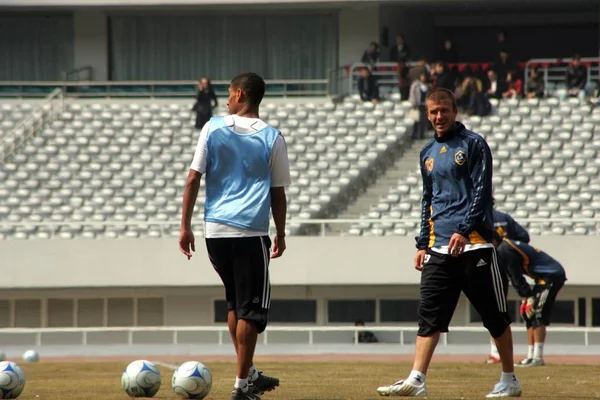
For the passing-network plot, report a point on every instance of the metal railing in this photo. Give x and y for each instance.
(386, 73)
(324, 224)
(222, 333)
(31, 124)
(338, 86)
(79, 74)
(554, 70)
(154, 89)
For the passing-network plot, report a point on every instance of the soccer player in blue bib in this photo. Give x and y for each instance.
(246, 167)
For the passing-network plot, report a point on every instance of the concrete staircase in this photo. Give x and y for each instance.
(406, 164)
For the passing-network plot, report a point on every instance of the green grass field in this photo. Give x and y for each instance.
(324, 381)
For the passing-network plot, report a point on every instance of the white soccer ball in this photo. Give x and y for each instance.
(192, 380)
(141, 379)
(31, 356)
(12, 380)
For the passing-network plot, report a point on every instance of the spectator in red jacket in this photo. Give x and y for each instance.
(515, 86)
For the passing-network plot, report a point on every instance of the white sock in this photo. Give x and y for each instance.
(529, 352)
(494, 350)
(241, 384)
(416, 377)
(253, 373)
(507, 377)
(538, 351)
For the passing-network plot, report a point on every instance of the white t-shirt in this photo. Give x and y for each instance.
(279, 165)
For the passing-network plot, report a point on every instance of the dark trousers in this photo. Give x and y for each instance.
(202, 118)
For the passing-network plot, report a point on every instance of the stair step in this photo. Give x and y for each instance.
(405, 166)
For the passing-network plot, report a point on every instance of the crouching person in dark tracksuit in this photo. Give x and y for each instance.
(506, 227)
(521, 259)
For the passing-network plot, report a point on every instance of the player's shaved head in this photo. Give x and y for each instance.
(440, 94)
(252, 85)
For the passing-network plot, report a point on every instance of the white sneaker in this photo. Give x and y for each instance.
(524, 362)
(403, 388)
(501, 389)
(534, 362)
(492, 359)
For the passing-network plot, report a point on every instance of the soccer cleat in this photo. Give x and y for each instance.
(403, 388)
(502, 389)
(534, 362)
(524, 362)
(239, 394)
(264, 384)
(492, 359)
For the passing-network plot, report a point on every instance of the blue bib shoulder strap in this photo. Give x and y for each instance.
(217, 123)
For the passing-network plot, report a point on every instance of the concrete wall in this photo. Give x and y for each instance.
(91, 42)
(308, 261)
(193, 306)
(358, 26)
(417, 26)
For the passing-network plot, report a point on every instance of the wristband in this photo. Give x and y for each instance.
(280, 236)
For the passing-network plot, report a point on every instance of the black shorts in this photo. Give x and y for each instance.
(476, 274)
(243, 265)
(545, 296)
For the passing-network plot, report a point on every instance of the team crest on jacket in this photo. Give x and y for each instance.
(460, 157)
(429, 164)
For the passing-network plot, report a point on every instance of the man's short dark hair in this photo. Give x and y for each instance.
(438, 94)
(253, 86)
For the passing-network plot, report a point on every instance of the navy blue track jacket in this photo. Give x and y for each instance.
(520, 259)
(457, 189)
(507, 227)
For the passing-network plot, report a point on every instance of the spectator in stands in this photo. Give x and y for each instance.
(206, 100)
(443, 77)
(367, 86)
(514, 88)
(365, 336)
(371, 54)
(576, 78)
(503, 65)
(472, 97)
(418, 94)
(403, 80)
(502, 42)
(415, 72)
(493, 91)
(448, 53)
(401, 51)
(535, 85)
(596, 96)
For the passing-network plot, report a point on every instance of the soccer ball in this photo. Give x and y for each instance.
(192, 380)
(31, 356)
(12, 380)
(141, 379)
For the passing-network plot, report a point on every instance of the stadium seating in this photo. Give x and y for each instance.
(117, 170)
(11, 114)
(546, 165)
(100, 163)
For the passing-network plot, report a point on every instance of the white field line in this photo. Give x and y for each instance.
(172, 367)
